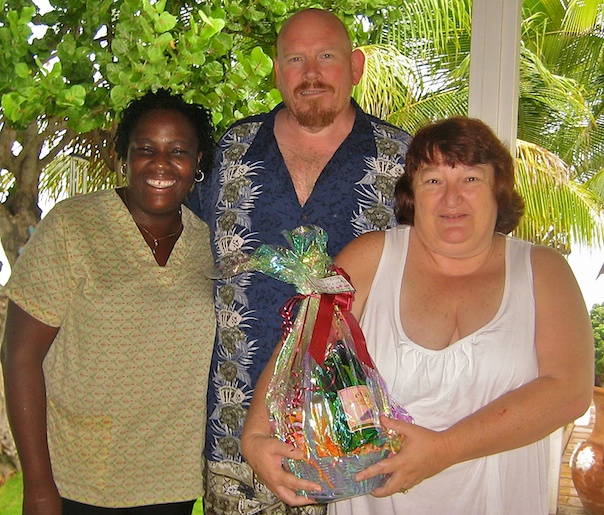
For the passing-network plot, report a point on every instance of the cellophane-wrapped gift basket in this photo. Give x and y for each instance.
(325, 395)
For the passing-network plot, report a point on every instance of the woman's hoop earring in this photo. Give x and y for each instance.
(123, 170)
(199, 176)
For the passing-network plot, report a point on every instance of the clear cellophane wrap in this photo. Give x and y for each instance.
(325, 395)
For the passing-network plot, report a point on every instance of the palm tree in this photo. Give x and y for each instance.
(417, 70)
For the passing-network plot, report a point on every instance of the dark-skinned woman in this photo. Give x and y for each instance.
(109, 330)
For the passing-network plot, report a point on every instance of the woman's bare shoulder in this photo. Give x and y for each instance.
(553, 277)
(546, 260)
(360, 259)
(362, 250)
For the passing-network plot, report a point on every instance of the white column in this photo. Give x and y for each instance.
(494, 65)
(494, 86)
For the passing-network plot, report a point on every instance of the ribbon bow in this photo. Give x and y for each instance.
(328, 303)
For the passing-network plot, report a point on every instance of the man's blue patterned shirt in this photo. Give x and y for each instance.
(249, 200)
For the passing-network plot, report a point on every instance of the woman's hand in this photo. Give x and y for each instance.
(422, 455)
(264, 454)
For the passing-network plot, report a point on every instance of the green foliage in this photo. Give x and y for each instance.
(597, 323)
(97, 56)
(11, 494)
(550, 195)
(417, 71)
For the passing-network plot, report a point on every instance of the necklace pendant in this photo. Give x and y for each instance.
(156, 240)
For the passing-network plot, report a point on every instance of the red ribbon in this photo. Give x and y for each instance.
(323, 322)
(320, 334)
(287, 314)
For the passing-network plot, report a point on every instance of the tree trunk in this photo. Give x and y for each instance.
(19, 214)
(9, 461)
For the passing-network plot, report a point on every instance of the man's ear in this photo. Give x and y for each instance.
(358, 65)
(276, 72)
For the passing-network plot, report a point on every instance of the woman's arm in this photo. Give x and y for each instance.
(26, 343)
(561, 392)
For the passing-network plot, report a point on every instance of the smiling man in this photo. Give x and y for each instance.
(316, 69)
(316, 158)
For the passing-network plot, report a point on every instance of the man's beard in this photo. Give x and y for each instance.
(314, 116)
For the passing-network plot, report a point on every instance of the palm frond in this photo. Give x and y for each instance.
(555, 113)
(389, 82)
(596, 183)
(436, 27)
(395, 87)
(7, 180)
(77, 169)
(559, 211)
(431, 108)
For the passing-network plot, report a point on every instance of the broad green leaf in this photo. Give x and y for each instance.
(22, 70)
(75, 96)
(165, 22)
(11, 105)
(211, 26)
(262, 63)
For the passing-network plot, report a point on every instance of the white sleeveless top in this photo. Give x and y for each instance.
(440, 387)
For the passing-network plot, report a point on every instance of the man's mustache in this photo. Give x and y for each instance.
(313, 85)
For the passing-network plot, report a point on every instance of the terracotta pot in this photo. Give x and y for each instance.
(587, 462)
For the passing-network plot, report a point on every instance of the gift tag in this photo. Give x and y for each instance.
(332, 284)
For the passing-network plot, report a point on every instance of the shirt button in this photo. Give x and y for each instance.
(304, 217)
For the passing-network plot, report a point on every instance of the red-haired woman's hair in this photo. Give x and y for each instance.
(465, 141)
